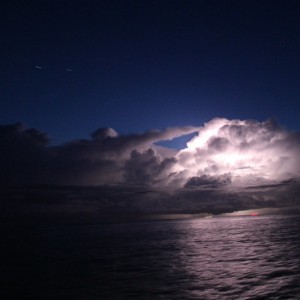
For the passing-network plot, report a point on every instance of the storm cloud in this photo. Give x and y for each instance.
(229, 165)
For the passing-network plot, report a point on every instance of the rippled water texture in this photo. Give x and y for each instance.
(217, 258)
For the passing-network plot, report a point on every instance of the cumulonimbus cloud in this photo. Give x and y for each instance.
(252, 152)
(229, 164)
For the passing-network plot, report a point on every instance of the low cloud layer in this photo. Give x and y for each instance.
(229, 165)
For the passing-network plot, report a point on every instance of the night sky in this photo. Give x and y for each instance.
(70, 67)
(152, 106)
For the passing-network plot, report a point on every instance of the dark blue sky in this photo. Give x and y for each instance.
(138, 65)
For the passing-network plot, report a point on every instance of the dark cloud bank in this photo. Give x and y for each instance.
(229, 165)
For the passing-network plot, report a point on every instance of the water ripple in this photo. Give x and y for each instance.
(217, 258)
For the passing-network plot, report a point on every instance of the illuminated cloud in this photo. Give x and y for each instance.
(229, 165)
(251, 152)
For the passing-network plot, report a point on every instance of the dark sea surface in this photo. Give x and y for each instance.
(215, 258)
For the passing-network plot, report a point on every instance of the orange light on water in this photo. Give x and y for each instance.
(254, 214)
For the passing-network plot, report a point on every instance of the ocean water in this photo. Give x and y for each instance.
(216, 258)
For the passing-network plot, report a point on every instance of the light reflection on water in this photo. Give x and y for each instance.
(243, 258)
(216, 258)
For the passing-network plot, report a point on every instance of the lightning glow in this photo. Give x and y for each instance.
(249, 151)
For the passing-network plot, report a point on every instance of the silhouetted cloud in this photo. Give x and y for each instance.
(22, 153)
(209, 181)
